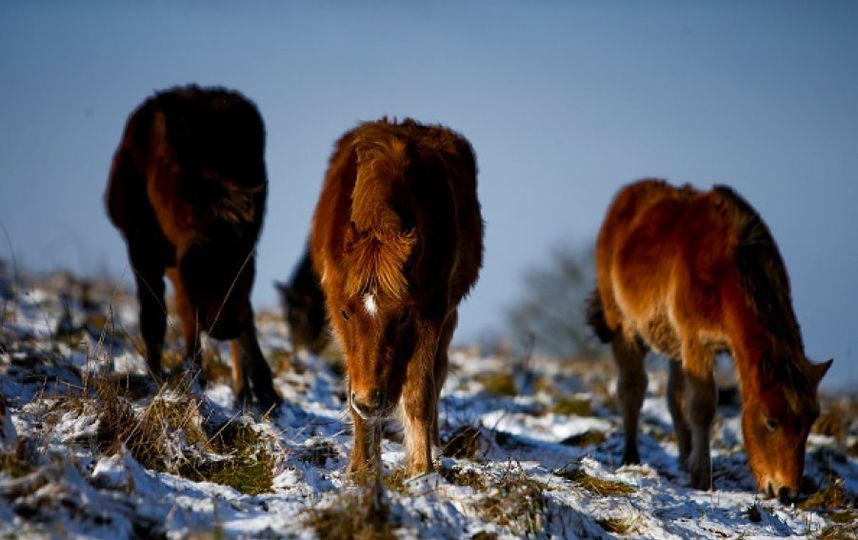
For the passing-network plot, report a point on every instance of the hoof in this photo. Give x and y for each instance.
(631, 458)
(702, 482)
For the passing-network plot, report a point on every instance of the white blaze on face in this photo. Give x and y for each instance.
(369, 304)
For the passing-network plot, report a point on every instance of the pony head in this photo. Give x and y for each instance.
(374, 319)
(776, 420)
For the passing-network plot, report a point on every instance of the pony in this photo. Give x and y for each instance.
(303, 305)
(397, 240)
(691, 274)
(187, 191)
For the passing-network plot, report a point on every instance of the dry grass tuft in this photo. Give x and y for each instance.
(614, 525)
(587, 438)
(516, 501)
(463, 477)
(467, 442)
(352, 516)
(595, 485)
(753, 513)
(317, 452)
(831, 497)
(169, 435)
(842, 530)
(19, 463)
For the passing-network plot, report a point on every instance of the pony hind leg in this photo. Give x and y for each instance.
(440, 371)
(258, 373)
(676, 406)
(702, 398)
(629, 355)
(149, 277)
(240, 384)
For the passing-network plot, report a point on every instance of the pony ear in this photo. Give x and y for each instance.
(352, 236)
(819, 370)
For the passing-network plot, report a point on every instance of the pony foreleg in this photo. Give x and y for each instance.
(366, 452)
(631, 389)
(675, 404)
(702, 399)
(418, 402)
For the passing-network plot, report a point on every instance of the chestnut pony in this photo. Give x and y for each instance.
(691, 274)
(397, 241)
(304, 307)
(187, 191)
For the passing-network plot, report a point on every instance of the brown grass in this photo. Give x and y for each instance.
(587, 438)
(614, 525)
(17, 464)
(464, 477)
(170, 435)
(351, 516)
(516, 501)
(831, 497)
(467, 442)
(597, 486)
(317, 452)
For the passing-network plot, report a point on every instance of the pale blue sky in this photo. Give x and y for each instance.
(563, 101)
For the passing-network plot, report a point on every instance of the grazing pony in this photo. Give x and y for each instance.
(691, 274)
(397, 240)
(187, 191)
(304, 307)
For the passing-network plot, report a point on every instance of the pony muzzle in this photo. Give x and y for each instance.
(373, 405)
(784, 494)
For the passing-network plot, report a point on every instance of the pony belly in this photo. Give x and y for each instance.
(660, 335)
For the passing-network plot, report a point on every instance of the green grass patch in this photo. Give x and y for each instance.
(593, 484)
(248, 465)
(573, 407)
(499, 384)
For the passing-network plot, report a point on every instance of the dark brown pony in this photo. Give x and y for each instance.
(691, 274)
(397, 241)
(304, 307)
(187, 190)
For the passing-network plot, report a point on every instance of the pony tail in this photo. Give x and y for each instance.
(596, 317)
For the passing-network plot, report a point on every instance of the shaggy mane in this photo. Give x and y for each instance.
(377, 263)
(766, 285)
(376, 247)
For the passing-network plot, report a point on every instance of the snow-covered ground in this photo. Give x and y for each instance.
(532, 448)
